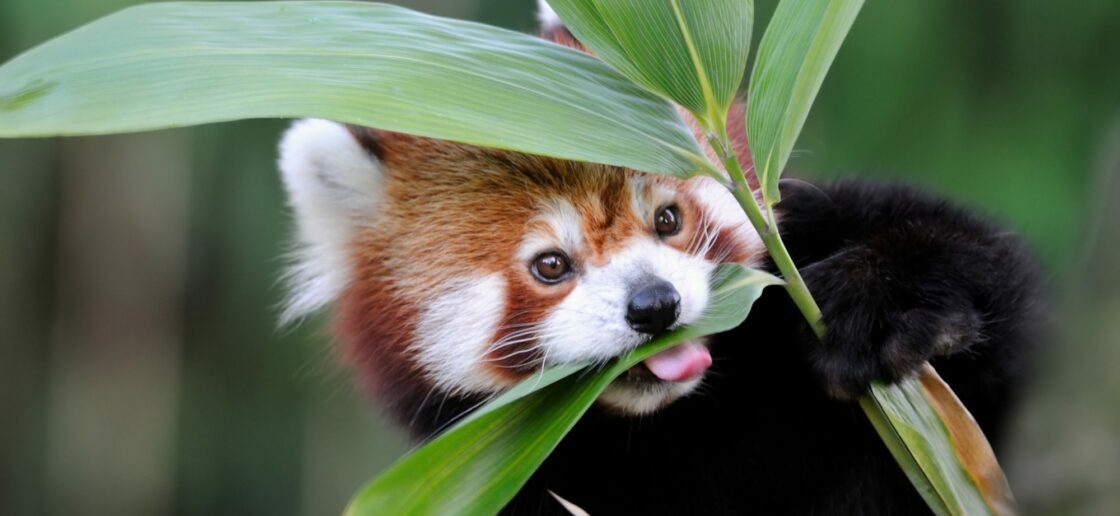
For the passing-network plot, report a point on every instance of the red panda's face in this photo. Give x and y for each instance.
(469, 269)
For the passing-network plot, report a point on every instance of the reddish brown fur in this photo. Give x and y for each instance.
(376, 328)
(562, 36)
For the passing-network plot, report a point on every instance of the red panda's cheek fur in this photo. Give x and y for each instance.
(730, 248)
(515, 353)
(376, 327)
(732, 238)
(718, 243)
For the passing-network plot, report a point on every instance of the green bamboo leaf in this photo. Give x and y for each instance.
(793, 57)
(884, 426)
(175, 64)
(946, 459)
(691, 51)
(477, 466)
(973, 452)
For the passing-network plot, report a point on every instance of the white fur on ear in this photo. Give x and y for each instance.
(334, 186)
(548, 17)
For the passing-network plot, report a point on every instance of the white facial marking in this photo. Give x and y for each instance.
(456, 329)
(723, 211)
(647, 196)
(565, 231)
(590, 323)
(645, 398)
(333, 186)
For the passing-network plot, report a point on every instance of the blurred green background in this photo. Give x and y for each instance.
(142, 370)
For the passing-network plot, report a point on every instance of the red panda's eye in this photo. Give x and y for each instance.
(551, 267)
(668, 221)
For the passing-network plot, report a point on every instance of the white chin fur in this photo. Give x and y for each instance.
(333, 185)
(547, 16)
(637, 399)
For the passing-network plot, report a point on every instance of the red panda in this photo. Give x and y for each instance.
(456, 271)
(463, 270)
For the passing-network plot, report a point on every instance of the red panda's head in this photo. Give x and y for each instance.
(462, 270)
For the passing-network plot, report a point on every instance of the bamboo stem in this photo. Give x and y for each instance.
(768, 231)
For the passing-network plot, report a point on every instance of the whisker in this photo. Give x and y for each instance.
(458, 417)
(508, 355)
(420, 408)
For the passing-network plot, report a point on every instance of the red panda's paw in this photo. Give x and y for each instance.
(878, 326)
(848, 360)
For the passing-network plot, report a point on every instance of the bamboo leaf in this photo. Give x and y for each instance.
(939, 446)
(793, 57)
(478, 466)
(971, 447)
(691, 51)
(175, 64)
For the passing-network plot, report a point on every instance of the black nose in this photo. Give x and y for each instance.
(653, 307)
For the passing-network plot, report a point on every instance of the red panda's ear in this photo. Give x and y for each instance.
(334, 186)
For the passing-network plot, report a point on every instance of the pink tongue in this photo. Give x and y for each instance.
(679, 363)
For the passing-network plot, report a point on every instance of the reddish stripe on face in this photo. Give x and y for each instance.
(527, 304)
(608, 220)
(730, 248)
